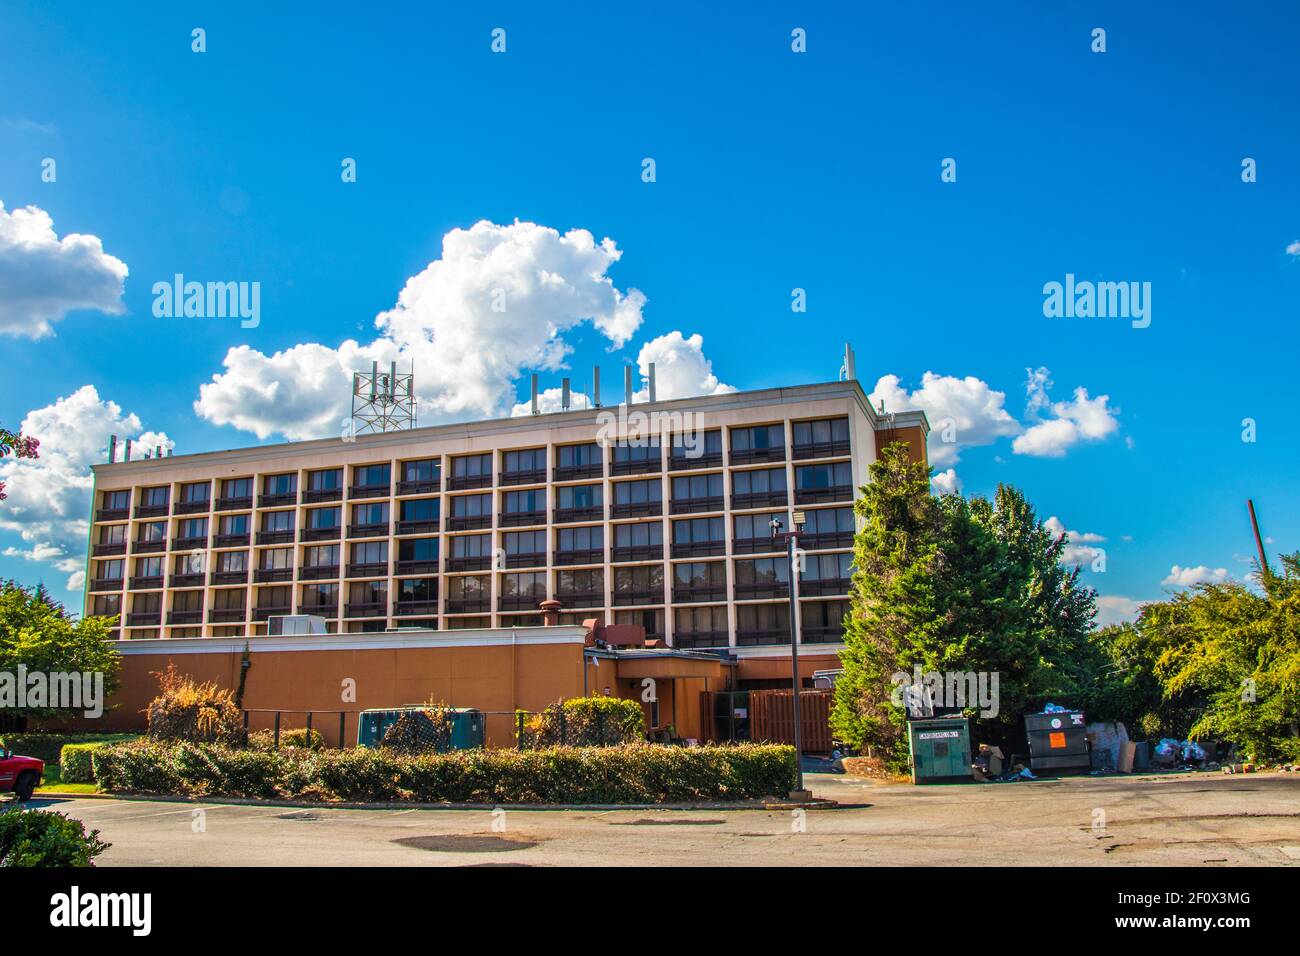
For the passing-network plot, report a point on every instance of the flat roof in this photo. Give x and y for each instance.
(850, 388)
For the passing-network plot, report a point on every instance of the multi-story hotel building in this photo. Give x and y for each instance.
(472, 526)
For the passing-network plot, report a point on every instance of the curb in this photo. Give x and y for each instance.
(410, 805)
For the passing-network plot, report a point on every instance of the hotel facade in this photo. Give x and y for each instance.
(655, 514)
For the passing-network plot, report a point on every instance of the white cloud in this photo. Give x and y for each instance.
(1077, 551)
(498, 301)
(43, 277)
(946, 482)
(1181, 577)
(681, 368)
(1293, 249)
(49, 497)
(963, 412)
(1114, 609)
(1079, 420)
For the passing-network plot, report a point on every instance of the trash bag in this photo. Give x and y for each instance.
(1168, 748)
(1053, 709)
(1193, 752)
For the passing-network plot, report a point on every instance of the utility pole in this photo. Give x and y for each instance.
(1259, 542)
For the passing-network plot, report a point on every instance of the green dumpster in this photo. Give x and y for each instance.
(939, 750)
(468, 728)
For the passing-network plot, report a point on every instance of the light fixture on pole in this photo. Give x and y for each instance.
(791, 543)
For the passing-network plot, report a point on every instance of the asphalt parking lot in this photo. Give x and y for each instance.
(1195, 820)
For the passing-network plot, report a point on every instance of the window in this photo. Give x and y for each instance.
(652, 619)
(321, 556)
(233, 524)
(318, 595)
(824, 436)
(638, 492)
(112, 534)
(765, 481)
(106, 604)
(644, 578)
(471, 546)
(146, 603)
(412, 590)
(762, 624)
(110, 570)
(368, 593)
(759, 438)
(187, 601)
(193, 528)
(579, 539)
(152, 531)
(757, 529)
(418, 549)
(189, 564)
(425, 470)
(527, 585)
(697, 486)
(637, 451)
(237, 488)
(471, 506)
(470, 588)
(148, 567)
(154, 497)
(280, 484)
(420, 509)
(689, 621)
(578, 456)
(527, 460)
(472, 466)
(698, 531)
(116, 500)
(370, 514)
(521, 502)
(372, 476)
(820, 477)
(277, 559)
(232, 562)
(330, 479)
(822, 620)
(524, 542)
(640, 535)
(228, 599)
(196, 493)
(828, 521)
(690, 446)
(277, 521)
(828, 567)
(590, 581)
(700, 575)
(763, 573)
(578, 496)
(370, 552)
(322, 518)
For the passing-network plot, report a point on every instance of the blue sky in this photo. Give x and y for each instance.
(774, 170)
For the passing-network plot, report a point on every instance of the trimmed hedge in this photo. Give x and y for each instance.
(46, 838)
(46, 745)
(74, 762)
(642, 773)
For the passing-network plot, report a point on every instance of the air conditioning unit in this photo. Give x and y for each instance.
(283, 625)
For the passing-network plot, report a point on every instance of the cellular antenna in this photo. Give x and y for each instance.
(383, 401)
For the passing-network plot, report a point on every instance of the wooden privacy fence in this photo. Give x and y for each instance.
(771, 718)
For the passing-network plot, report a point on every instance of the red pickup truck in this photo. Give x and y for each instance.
(21, 775)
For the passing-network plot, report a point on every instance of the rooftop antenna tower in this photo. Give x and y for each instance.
(383, 401)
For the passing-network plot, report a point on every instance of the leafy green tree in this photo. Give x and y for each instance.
(38, 632)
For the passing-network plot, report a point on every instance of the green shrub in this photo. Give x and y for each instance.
(187, 710)
(297, 737)
(638, 773)
(46, 745)
(586, 722)
(74, 762)
(46, 838)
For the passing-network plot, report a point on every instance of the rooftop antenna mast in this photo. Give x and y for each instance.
(383, 401)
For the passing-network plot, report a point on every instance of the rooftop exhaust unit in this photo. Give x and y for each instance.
(383, 401)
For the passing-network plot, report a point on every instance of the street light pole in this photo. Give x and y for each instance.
(791, 541)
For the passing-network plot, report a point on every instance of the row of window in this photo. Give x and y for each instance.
(761, 442)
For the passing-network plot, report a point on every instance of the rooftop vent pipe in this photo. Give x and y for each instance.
(565, 394)
(128, 450)
(112, 449)
(627, 384)
(595, 386)
(651, 379)
(536, 410)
